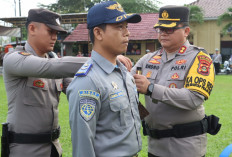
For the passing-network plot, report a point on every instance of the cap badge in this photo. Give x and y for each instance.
(114, 85)
(116, 7)
(165, 14)
(58, 21)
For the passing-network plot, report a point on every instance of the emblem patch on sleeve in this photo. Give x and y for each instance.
(204, 65)
(89, 93)
(201, 75)
(87, 108)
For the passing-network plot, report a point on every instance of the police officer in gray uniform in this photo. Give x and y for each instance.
(103, 100)
(33, 82)
(176, 80)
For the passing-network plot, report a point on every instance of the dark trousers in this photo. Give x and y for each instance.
(54, 152)
(151, 155)
(217, 67)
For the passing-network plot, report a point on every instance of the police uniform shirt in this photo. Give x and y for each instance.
(33, 85)
(181, 83)
(217, 58)
(103, 108)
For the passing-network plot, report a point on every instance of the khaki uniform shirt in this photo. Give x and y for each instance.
(33, 85)
(103, 110)
(181, 83)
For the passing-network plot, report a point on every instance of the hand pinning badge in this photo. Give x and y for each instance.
(114, 85)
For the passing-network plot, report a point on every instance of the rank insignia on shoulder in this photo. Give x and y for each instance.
(84, 70)
(24, 53)
(87, 108)
(182, 50)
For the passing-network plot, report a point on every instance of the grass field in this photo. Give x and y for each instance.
(220, 104)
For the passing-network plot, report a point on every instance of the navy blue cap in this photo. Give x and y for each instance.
(109, 12)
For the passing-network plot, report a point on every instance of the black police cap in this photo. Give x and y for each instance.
(170, 16)
(49, 18)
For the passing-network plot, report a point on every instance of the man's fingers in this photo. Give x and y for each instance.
(126, 61)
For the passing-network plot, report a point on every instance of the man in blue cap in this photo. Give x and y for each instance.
(104, 116)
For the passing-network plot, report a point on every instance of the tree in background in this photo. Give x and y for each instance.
(81, 6)
(196, 13)
(227, 16)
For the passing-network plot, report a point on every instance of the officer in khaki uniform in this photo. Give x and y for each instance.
(33, 82)
(103, 100)
(176, 80)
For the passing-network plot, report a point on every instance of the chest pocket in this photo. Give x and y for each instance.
(36, 92)
(175, 79)
(119, 105)
(59, 85)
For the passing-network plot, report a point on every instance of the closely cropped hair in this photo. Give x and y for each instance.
(184, 24)
(91, 34)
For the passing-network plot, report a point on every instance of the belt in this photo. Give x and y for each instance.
(23, 138)
(178, 131)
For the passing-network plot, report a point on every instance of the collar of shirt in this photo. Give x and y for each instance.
(187, 50)
(28, 48)
(107, 66)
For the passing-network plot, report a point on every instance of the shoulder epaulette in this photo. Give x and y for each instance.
(201, 49)
(84, 69)
(24, 53)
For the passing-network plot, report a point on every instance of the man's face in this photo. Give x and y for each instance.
(115, 38)
(172, 39)
(45, 38)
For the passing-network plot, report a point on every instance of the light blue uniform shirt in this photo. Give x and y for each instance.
(103, 108)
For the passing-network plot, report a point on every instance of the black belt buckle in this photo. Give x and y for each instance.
(55, 134)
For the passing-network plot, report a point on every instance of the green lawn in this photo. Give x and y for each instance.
(220, 104)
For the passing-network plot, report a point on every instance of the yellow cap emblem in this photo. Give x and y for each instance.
(165, 14)
(116, 7)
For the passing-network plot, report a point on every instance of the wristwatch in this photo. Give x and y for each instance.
(150, 89)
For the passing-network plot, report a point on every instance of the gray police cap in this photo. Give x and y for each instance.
(49, 18)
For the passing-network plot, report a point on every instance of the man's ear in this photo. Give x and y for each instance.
(98, 33)
(32, 28)
(186, 31)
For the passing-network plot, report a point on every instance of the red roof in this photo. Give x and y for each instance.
(139, 31)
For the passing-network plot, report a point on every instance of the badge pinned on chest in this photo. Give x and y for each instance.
(87, 108)
(115, 86)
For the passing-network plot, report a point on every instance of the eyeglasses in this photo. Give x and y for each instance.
(167, 30)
